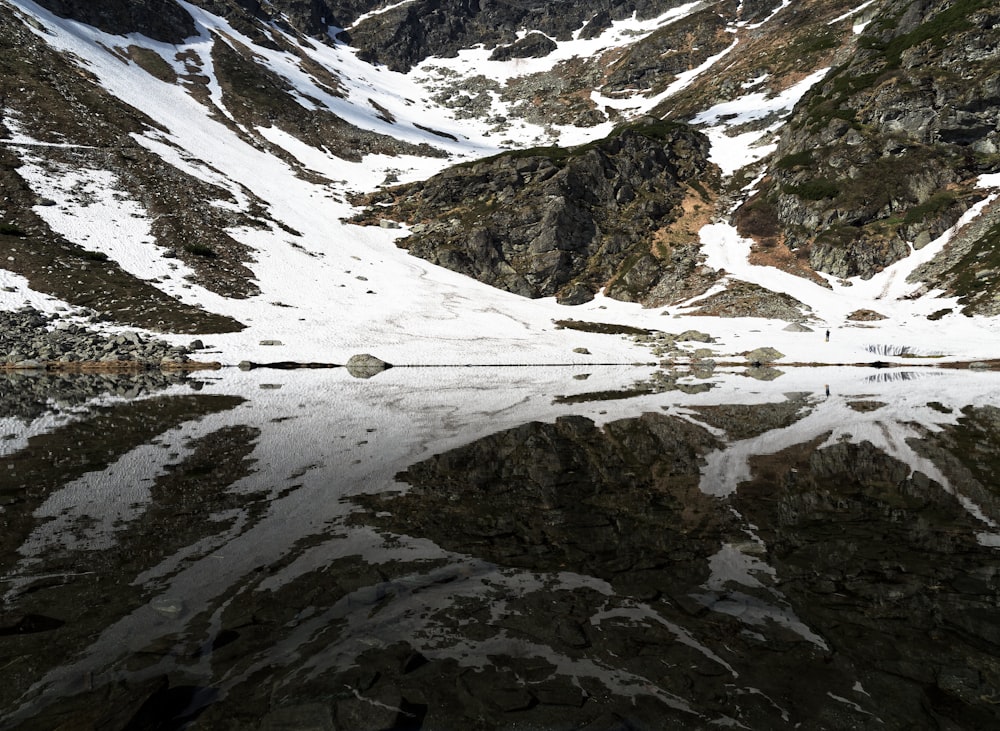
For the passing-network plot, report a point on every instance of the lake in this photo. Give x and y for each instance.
(508, 548)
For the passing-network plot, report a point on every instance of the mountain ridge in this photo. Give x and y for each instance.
(826, 157)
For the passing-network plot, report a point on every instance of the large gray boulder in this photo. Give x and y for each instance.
(365, 365)
(764, 355)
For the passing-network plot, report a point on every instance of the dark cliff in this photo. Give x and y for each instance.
(405, 35)
(555, 221)
(885, 149)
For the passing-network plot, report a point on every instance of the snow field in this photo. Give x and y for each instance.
(338, 289)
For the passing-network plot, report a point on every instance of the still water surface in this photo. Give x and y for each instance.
(501, 549)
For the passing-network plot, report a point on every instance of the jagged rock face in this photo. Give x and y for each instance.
(310, 17)
(533, 45)
(970, 266)
(672, 50)
(881, 152)
(161, 20)
(166, 20)
(402, 37)
(554, 221)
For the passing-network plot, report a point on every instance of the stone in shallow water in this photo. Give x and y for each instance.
(764, 355)
(365, 365)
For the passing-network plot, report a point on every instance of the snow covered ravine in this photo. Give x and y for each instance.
(339, 289)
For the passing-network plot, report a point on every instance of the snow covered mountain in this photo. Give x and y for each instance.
(763, 171)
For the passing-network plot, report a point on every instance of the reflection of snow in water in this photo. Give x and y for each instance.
(889, 428)
(325, 437)
(755, 611)
(85, 514)
(733, 565)
(903, 411)
(422, 611)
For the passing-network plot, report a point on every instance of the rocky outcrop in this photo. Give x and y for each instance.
(970, 266)
(745, 299)
(764, 355)
(407, 33)
(554, 221)
(161, 20)
(651, 63)
(533, 45)
(882, 151)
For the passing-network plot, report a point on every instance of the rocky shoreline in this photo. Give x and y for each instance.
(31, 340)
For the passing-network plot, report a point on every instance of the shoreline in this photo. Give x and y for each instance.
(123, 367)
(132, 367)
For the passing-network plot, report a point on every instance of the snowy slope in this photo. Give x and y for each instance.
(338, 289)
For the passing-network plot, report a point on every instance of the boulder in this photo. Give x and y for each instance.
(865, 316)
(764, 355)
(797, 327)
(365, 365)
(695, 336)
(533, 45)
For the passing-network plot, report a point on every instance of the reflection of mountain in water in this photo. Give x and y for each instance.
(847, 590)
(550, 496)
(30, 394)
(784, 557)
